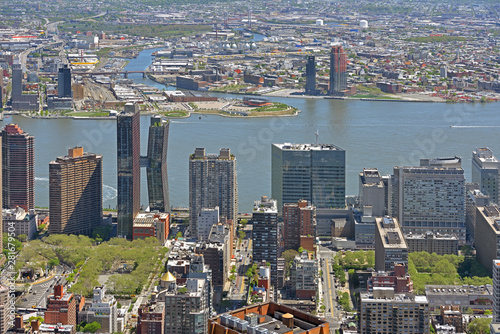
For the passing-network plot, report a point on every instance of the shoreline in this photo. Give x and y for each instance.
(145, 113)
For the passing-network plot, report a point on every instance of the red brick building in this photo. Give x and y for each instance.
(154, 224)
(299, 220)
(151, 319)
(398, 279)
(61, 308)
(269, 316)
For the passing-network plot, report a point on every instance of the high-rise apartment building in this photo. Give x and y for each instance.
(212, 182)
(265, 234)
(311, 172)
(129, 168)
(156, 170)
(430, 197)
(390, 246)
(75, 192)
(18, 168)
(384, 311)
(186, 307)
(311, 75)
(338, 70)
(299, 225)
(496, 290)
(486, 172)
(64, 82)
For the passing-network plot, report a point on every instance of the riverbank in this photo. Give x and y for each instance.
(225, 108)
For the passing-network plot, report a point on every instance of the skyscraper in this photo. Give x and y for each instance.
(486, 172)
(21, 101)
(75, 192)
(430, 197)
(157, 165)
(311, 75)
(17, 82)
(64, 82)
(265, 234)
(18, 168)
(312, 172)
(129, 168)
(299, 225)
(338, 70)
(212, 182)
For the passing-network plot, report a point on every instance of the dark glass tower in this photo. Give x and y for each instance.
(17, 82)
(64, 82)
(18, 165)
(129, 168)
(338, 70)
(312, 172)
(311, 75)
(157, 165)
(265, 235)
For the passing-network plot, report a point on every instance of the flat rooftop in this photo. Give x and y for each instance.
(270, 316)
(399, 298)
(308, 147)
(459, 290)
(390, 232)
(484, 154)
(491, 214)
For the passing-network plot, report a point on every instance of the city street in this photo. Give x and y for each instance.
(39, 291)
(332, 314)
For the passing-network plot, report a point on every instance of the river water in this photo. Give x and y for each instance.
(374, 134)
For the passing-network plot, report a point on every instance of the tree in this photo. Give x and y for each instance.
(178, 235)
(289, 255)
(479, 326)
(22, 237)
(92, 327)
(53, 262)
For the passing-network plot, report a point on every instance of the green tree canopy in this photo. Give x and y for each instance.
(479, 326)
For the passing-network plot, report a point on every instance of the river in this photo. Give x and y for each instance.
(374, 134)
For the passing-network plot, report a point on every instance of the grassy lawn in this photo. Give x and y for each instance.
(175, 113)
(89, 114)
(274, 107)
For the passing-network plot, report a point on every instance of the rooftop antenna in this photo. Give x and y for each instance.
(317, 136)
